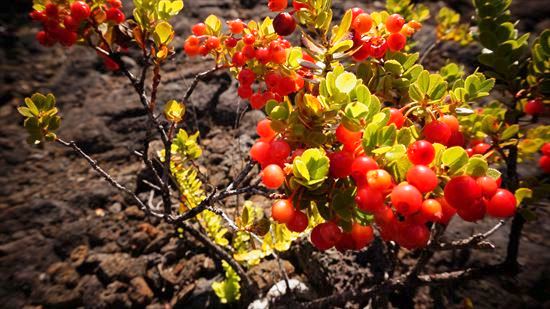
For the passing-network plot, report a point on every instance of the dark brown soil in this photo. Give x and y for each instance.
(69, 240)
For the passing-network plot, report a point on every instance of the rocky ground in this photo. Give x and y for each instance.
(67, 239)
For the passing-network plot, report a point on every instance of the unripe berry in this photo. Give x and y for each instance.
(431, 211)
(451, 121)
(284, 24)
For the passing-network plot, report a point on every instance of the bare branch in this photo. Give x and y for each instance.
(475, 241)
(108, 177)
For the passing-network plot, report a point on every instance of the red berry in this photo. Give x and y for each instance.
(284, 24)
(39, 16)
(378, 47)
(431, 211)
(70, 23)
(362, 23)
(212, 43)
(481, 148)
(282, 211)
(264, 129)
(340, 164)
(80, 10)
(190, 48)
(245, 91)
(277, 5)
(360, 167)
(369, 200)
(330, 232)
(51, 10)
(345, 243)
(437, 132)
(363, 52)
(396, 41)
(42, 38)
(534, 107)
(249, 39)
(396, 117)
(239, 59)
(317, 240)
(249, 52)
(394, 23)
(421, 152)
(260, 152)
(462, 191)
(473, 212)
(379, 179)
(246, 77)
(277, 54)
(346, 136)
(502, 204)
(456, 139)
(447, 211)
(115, 3)
(199, 29)
(355, 12)
(488, 186)
(115, 15)
(451, 121)
(384, 216)
(236, 26)
(231, 42)
(273, 176)
(297, 5)
(257, 100)
(413, 236)
(361, 235)
(406, 199)
(262, 54)
(544, 164)
(279, 150)
(422, 177)
(545, 149)
(298, 223)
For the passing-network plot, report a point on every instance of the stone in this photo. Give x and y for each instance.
(140, 293)
(63, 273)
(120, 266)
(133, 212)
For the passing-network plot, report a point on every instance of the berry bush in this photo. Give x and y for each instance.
(359, 143)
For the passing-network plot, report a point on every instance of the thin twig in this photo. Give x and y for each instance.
(474, 241)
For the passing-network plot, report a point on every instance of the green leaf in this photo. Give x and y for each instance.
(394, 67)
(346, 82)
(455, 158)
(521, 194)
(341, 47)
(493, 173)
(174, 111)
(476, 167)
(228, 290)
(510, 132)
(363, 94)
(343, 27)
(163, 33)
(214, 23)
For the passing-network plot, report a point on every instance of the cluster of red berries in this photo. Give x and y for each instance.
(374, 44)
(61, 23)
(544, 161)
(255, 54)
